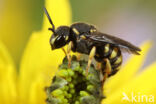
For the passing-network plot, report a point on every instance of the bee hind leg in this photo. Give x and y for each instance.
(68, 53)
(107, 70)
(91, 55)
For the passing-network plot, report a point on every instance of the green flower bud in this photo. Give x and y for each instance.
(57, 93)
(61, 97)
(69, 95)
(65, 93)
(77, 68)
(84, 93)
(65, 100)
(63, 88)
(71, 85)
(90, 76)
(77, 102)
(90, 87)
(88, 100)
(80, 70)
(66, 88)
(69, 79)
(63, 73)
(71, 72)
(84, 73)
(72, 91)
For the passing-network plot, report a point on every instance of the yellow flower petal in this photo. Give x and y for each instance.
(142, 88)
(37, 93)
(16, 25)
(127, 71)
(38, 57)
(7, 77)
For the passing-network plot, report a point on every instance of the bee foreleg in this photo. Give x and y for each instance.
(98, 65)
(64, 51)
(68, 53)
(91, 55)
(108, 69)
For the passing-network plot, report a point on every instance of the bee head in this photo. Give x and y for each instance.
(60, 36)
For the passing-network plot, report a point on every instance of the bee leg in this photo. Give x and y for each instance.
(68, 53)
(98, 66)
(91, 55)
(64, 51)
(108, 69)
(78, 56)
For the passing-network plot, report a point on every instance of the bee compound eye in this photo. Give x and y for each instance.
(52, 40)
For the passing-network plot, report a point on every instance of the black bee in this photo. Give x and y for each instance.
(86, 39)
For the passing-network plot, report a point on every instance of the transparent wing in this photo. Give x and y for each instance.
(105, 38)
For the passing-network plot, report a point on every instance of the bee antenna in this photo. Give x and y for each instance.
(49, 18)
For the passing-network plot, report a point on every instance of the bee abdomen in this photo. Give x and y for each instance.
(113, 54)
(115, 59)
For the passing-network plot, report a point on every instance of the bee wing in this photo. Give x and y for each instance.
(122, 44)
